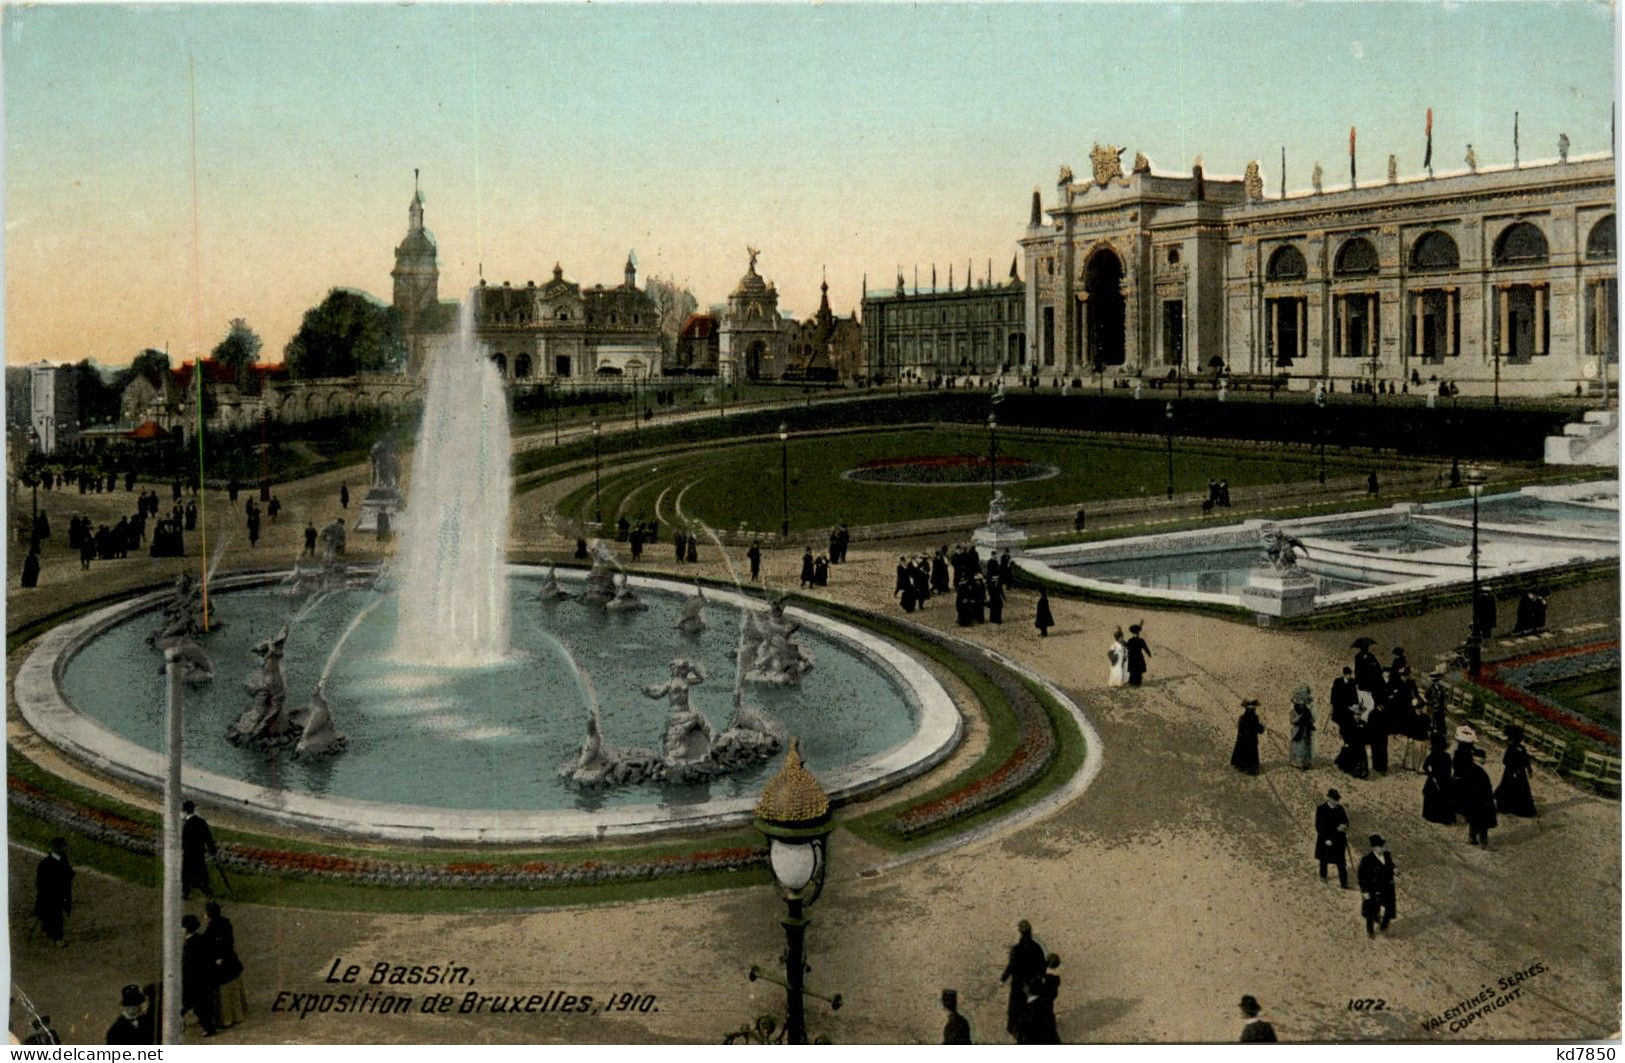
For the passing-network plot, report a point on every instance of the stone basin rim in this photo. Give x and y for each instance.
(39, 697)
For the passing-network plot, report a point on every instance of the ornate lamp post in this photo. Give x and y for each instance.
(794, 815)
(1475, 636)
(597, 467)
(993, 453)
(1320, 430)
(1168, 412)
(784, 479)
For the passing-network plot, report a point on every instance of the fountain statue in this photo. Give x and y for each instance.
(1277, 586)
(331, 538)
(381, 507)
(692, 622)
(600, 765)
(688, 733)
(319, 736)
(267, 721)
(624, 601)
(196, 668)
(769, 654)
(182, 615)
(551, 591)
(751, 736)
(600, 580)
(453, 600)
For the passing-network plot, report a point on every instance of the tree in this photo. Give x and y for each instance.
(240, 349)
(673, 303)
(98, 398)
(150, 363)
(348, 332)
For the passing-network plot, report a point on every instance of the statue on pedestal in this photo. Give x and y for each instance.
(266, 721)
(997, 515)
(319, 736)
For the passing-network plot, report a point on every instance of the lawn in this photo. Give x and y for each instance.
(740, 486)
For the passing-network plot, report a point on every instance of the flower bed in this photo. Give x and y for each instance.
(1516, 679)
(110, 828)
(947, 470)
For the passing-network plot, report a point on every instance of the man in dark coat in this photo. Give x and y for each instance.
(197, 845)
(1368, 673)
(1477, 797)
(754, 556)
(198, 981)
(1257, 1031)
(130, 1028)
(1332, 836)
(1044, 619)
(995, 601)
(807, 568)
(956, 1031)
(31, 568)
(1376, 875)
(344, 495)
(1026, 963)
(1037, 1025)
(310, 538)
(1138, 651)
(53, 891)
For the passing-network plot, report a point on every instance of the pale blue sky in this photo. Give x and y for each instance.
(859, 137)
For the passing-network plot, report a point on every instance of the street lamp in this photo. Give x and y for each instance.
(794, 815)
(993, 453)
(784, 479)
(1475, 636)
(1320, 430)
(1168, 412)
(597, 466)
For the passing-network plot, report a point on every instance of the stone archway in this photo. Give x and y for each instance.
(1103, 283)
(755, 355)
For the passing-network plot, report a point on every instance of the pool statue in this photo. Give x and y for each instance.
(319, 737)
(601, 580)
(182, 615)
(331, 539)
(767, 650)
(624, 601)
(692, 622)
(997, 515)
(751, 736)
(551, 591)
(266, 721)
(196, 668)
(602, 765)
(1280, 549)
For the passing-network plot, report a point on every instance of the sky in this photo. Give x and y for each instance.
(855, 138)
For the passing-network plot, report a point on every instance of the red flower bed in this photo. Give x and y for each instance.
(941, 461)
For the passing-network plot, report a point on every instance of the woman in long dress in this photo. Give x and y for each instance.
(1248, 727)
(231, 1003)
(1117, 672)
(1303, 728)
(1513, 796)
(1438, 802)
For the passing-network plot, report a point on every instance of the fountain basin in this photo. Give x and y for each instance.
(1353, 557)
(466, 755)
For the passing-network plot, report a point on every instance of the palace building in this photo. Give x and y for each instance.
(1502, 280)
(557, 331)
(922, 335)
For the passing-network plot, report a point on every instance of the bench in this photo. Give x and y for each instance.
(1599, 772)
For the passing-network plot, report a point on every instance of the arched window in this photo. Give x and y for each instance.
(501, 362)
(1356, 258)
(1520, 244)
(1435, 252)
(1600, 244)
(1287, 265)
(521, 365)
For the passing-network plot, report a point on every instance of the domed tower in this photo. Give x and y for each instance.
(752, 339)
(416, 274)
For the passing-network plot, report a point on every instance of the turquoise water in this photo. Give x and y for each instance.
(1398, 538)
(489, 738)
(1208, 571)
(1527, 510)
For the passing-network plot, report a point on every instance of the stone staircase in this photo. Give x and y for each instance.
(1594, 440)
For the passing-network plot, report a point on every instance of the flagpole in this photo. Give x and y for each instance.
(1515, 140)
(197, 336)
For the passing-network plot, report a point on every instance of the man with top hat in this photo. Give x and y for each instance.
(1332, 836)
(1376, 877)
(197, 844)
(1257, 1031)
(132, 1027)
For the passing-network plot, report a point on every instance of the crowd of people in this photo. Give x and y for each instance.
(978, 587)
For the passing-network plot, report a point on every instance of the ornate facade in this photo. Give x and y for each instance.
(1494, 280)
(923, 335)
(557, 331)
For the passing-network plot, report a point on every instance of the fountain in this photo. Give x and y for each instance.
(453, 591)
